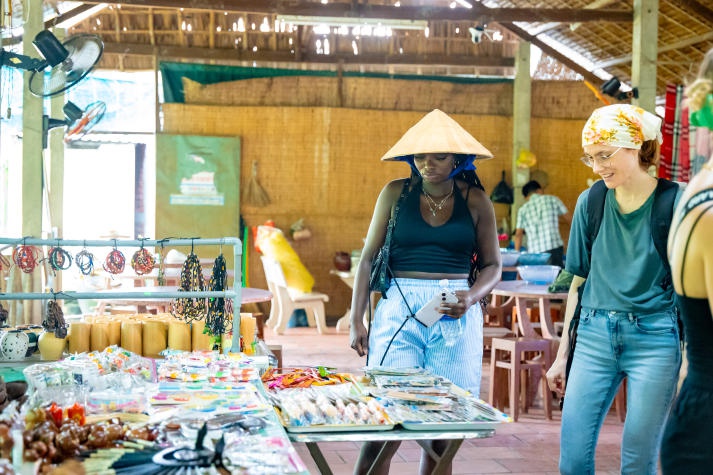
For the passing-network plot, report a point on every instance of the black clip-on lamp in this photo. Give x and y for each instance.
(611, 88)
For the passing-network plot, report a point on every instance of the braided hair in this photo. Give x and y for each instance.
(462, 170)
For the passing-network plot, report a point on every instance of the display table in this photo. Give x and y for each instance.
(454, 438)
(523, 293)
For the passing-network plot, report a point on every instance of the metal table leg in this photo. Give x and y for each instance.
(318, 458)
(445, 459)
(379, 460)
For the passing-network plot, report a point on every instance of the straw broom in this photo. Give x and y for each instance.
(255, 195)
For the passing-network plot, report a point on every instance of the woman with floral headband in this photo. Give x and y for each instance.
(628, 324)
(686, 446)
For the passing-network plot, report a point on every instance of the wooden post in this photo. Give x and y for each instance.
(644, 51)
(32, 202)
(522, 106)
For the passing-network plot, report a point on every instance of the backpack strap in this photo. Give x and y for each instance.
(661, 217)
(595, 212)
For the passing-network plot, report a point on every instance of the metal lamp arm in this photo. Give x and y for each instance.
(20, 61)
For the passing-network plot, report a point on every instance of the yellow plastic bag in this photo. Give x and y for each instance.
(273, 244)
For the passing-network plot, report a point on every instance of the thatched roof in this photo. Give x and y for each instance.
(139, 32)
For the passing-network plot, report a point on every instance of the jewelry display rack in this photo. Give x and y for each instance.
(234, 294)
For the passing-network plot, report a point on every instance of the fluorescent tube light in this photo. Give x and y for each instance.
(353, 21)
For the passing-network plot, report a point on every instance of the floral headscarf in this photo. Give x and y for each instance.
(621, 125)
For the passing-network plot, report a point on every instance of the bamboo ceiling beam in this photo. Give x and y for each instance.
(626, 59)
(152, 33)
(52, 22)
(479, 12)
(698, 8)
(206, 54)
(571, 64)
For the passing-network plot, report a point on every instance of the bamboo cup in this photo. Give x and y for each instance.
(99, 336)
(247, 332)
(179, 335)
(155, 337)
(79, 337)
(114, 332)
(131, 336)
(200, 341)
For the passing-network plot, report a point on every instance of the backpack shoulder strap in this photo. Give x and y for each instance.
(661, 217)
(595, 212)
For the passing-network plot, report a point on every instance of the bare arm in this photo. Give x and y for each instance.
(556, 373)
(489, 262)
(374, 240)
(519, 233)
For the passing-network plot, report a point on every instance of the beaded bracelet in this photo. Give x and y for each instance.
(142, 261)
(85, 261)
(114, 262)
(59, 259)
(26, 258)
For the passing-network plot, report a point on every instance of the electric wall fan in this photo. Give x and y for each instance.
(78, 122)
(64, 64)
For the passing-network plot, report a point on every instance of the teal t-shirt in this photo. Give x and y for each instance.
(626, 271)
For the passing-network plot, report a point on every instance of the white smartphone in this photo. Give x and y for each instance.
(430, 313)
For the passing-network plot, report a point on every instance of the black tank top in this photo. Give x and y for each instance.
(417, 246)
(698, 325)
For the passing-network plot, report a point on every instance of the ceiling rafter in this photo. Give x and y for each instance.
(662, 49)
(52, 22)
(571, 64)
(479, 12)
(698, 8)
(193, 53)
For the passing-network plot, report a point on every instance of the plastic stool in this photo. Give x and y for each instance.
(518, 365)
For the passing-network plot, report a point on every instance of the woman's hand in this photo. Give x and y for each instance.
(458, 309)
(556, 375)
(359, 337)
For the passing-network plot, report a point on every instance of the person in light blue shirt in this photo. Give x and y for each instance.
(538, 220)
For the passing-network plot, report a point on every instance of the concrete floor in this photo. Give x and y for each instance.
(529, 446)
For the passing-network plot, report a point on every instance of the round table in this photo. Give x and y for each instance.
(523, 292)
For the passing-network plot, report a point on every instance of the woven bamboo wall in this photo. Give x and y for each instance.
(322, 164)
(553, 99)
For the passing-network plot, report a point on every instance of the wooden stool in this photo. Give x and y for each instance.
(518, 364)
(277, 351)
(490, 332)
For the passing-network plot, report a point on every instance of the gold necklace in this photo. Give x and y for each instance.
(432, 205)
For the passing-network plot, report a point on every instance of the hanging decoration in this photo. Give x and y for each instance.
(59, 259)
(216, 317)
(526, 159)
(675, 160)
(85, 261)
(54, 320)
(143, 261)
(115, 261)
(190, 309)
(26, 257)
(255, 194)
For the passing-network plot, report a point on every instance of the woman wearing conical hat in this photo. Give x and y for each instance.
(443, 219)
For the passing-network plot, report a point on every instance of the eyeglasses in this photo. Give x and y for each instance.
(601, 159)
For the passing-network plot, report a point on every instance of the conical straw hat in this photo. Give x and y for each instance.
(436, 132)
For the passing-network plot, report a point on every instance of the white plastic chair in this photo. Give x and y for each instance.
(286, 300)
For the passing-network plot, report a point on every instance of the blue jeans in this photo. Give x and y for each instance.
(610, 346)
